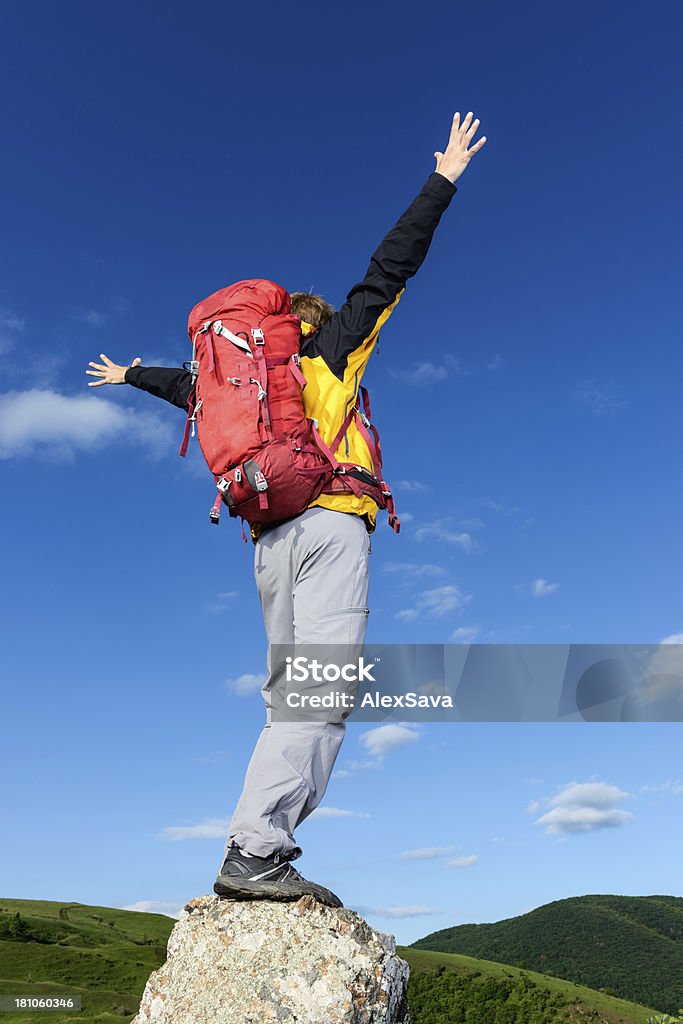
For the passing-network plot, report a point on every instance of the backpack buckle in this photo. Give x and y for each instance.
(260, 481)
(258, 336)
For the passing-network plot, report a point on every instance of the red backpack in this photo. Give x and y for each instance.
(267, 458)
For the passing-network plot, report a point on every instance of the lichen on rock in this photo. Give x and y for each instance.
(258, 962)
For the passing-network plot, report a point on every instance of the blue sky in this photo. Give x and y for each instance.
(527, 389)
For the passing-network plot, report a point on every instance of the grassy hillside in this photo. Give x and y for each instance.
(447, 988)
(103, 955)
(632, 945)
(106, 955)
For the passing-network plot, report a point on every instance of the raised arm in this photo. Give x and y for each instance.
(170, 383)
(347, 339)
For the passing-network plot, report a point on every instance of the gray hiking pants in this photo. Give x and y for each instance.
(312, 577)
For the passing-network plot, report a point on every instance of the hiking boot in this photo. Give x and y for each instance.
(266, 878)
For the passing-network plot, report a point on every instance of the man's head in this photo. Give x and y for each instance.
(311, 308)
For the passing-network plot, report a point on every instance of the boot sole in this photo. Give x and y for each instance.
(243, 889)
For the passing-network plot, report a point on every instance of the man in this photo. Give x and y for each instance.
(312, 571)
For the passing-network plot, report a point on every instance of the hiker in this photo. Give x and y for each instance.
(312, 570)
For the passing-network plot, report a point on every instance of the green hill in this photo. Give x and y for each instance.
(106, 955)
(103, 955)
(447, 988)
(632, 945)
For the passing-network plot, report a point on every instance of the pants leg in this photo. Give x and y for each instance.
(312, 576)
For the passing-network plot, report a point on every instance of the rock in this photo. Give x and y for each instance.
(287, 963)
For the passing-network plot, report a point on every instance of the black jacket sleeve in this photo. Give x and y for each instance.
(171, 384)
(399, 256)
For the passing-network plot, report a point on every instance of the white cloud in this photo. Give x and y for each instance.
(537, 588)
(395, 913)
(385, 738)
(434, 603)
(336, 812)
(248, 682)
(495, 363)
(462, 862)
(413, 570)
(427, 853)
(223, 602)
(583, 807)
(601, 400)
(662, 677)
(411, 486)
(214, 828)
(92, 317)
(441, 531)
(541, 588)
(11, 325)
(423, 373)
(44, 422)
(167, 908)
(465, 634)
(342, 773)
(671, 787)
(502, 508)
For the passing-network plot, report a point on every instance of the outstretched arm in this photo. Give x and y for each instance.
(345, 342)
(171, 384)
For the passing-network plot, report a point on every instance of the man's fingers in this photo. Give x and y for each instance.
(107, 360)
(97, 366)
(473, 130)
(136, 361)
(466, 123)
(95, 383)
(455, 126)
(477, 146)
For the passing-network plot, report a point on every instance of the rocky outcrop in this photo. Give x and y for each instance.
(287, 963)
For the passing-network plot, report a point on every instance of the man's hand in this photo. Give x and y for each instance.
(457, 156)
(111, 373)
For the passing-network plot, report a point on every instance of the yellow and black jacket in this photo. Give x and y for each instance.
(334, 357)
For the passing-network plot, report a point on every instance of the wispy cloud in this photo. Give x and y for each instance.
(423, 373)
(214, 828)
(49, 424)
(441, 530)
(394, 913)
(336, 812)
(11, 327)
(504, 508)
(582, 807)
(465, 634)
(537, 588)
(600, 400)
(414, 570)
(223, 602)
(411, 486)
(381, 741)
(91, 317)
(672, 787)
(434, 603)
(673, 638)
(495, 363)
(427, 853)
(462, 862)
(248, 682)
(167, 908)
